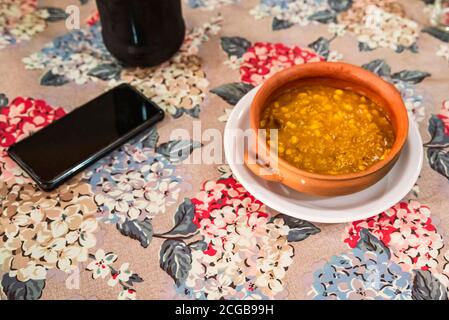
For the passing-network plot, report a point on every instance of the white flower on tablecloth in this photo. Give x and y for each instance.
(84, 234)
(247, 253)
(443, 52)
(226, 115)
(20, 20)
(334, 56)
(380, 28)
(100, 265)
(134, 183)
(166, 194)
(209, 4)
(233, 62)
(122, 274)
(374, 23)
(407, 230)
(219, 287)
(118, 199)
(337, 29)
(178, 83)
(412, 100)
(40, 231)
(127, 294)
(158, 172)
(64, 220)
(297, 12)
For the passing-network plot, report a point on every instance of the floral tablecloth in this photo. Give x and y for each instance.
(141, 224)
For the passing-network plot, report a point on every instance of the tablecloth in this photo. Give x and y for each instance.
(141, 224)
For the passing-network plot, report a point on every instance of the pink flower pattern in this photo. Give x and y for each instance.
(221, 203)
(264, 59)
(19, 119)
(247, 254)
(407, 230)
(444, 116)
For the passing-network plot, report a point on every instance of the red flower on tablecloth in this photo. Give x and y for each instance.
(258, 61)
(221, 203)
(407, 230)
(437, 150)
(93, 18)
(20, 118)
(445, 120)
(246, 253)
(23, 117)
(263, 59)
(444, 116)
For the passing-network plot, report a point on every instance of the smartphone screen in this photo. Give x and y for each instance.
(70, 144)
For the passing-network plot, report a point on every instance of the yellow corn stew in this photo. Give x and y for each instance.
(328, 131)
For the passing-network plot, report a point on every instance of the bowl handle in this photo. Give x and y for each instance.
(265, 172)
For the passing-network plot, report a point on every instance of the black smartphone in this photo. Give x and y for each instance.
(65, 147)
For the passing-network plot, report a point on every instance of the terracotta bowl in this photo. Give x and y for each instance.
(341, 76)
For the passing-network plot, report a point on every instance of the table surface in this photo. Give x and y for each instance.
(138, 225)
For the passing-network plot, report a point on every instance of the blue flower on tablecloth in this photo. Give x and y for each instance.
(133, 183)
(245, 253)
(390, 30)
(178, 86)
(209, 4)
(76, 42)
(77, 56)
(412, 99)
(406, 82)
(273, 3)
(290, 11)
(360, 274)
(400, 288)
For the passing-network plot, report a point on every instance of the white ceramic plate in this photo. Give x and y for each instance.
(361, 205)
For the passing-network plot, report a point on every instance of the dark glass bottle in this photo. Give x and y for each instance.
(142, 32)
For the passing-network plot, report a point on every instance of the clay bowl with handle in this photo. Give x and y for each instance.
(340, 76)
